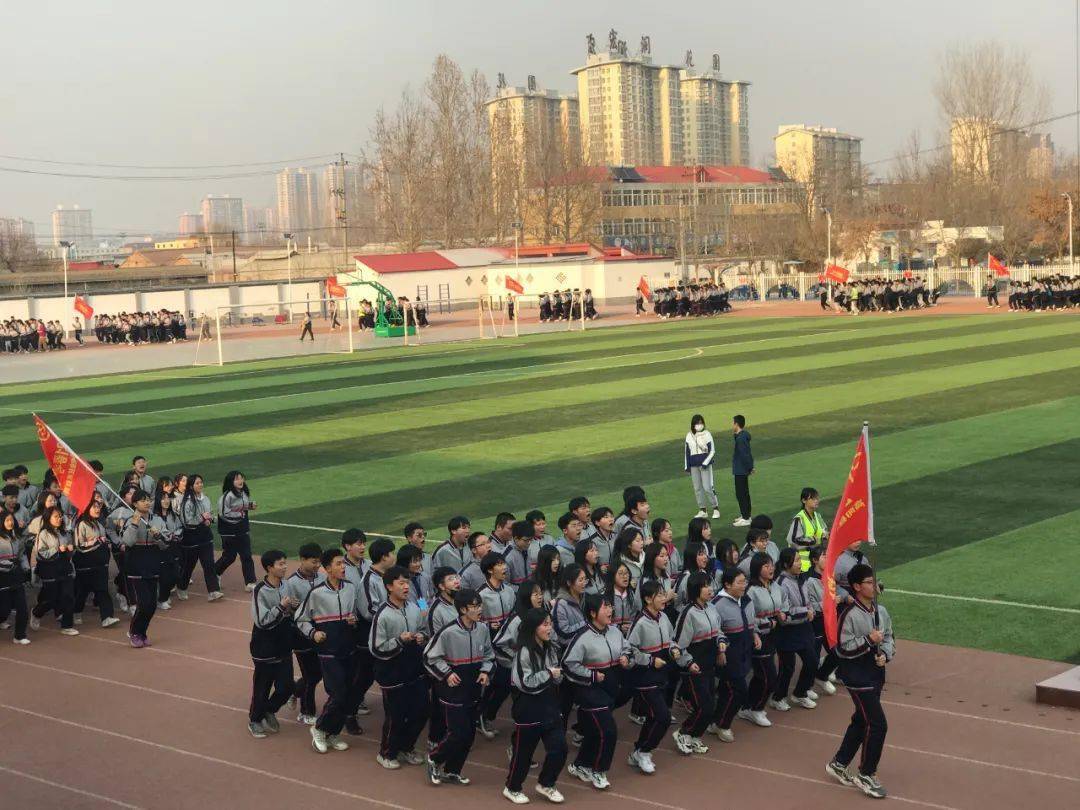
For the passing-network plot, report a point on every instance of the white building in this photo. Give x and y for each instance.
(73, 225)
(17, 228)
(223, 214)
(298, 203)
(191, 224)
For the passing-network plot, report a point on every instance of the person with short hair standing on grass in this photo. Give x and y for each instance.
(742, 467)
(865, 645)
(698, 454)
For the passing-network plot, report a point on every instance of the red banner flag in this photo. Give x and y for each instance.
(997, 266)
(83, 308)
(333, 289)
(76, 478)
(643, 288)
(854, 523)
(835, 272)
(908, 274)
(513, 285)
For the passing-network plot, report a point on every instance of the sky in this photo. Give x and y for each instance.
(195, 82)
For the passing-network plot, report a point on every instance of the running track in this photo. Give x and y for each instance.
(91, 723)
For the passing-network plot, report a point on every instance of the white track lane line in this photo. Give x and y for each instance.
(78, 791)
(977, 600)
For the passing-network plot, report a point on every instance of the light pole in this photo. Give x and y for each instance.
(1072, 266)
(828, 247)
(67, 302)
(288, 254)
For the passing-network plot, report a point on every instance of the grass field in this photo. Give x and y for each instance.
(975, 420)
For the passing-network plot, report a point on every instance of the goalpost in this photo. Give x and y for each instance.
(408, 312)
(256, 331)
(485, 304)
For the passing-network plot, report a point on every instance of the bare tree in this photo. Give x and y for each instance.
(18, 252)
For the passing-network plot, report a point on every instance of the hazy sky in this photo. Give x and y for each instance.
(232, 81)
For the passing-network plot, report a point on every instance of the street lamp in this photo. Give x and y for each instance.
(828, 249)
(1072, 267)
(288, 254)
(66, 246)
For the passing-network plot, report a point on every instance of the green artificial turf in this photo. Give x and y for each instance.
(975, 423)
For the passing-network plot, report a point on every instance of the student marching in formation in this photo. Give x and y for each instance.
(272, 607)
(299, 586)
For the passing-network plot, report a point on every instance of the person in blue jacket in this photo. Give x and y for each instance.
(742, 467)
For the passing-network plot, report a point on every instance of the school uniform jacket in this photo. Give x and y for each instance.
(625, 608)
(604, 546)
(11, 563)
(272, 628)
(591, 652)
(536, 700)
(505, 641)
(327, 609)
(624, 520)
(858, 670)
(566, 619)
(464, 651)
(447, 554)
(517, 565)
(91, 546)
(651, 638)
(471, 576)
(299, 587)
(566, 552)
(233, 514)
(768, 603)
(796, 632)
(397, 662)
(535, 545)
(737, 622)
(441, 614)
(192, 508)
(698, 635)
(497, 605)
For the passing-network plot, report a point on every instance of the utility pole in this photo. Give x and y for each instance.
(342, 214)
(234, 256)
(1072, 265)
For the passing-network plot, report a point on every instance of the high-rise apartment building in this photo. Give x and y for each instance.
(525, 120)
(17, 228)
(346, 192)
(73, 225)
(826, 161)
(983, 150)
(298, 207)
(223, 214)
(191, 224)
(260, 225)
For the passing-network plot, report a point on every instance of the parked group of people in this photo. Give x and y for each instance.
(1055, 292)
(135, 328)
(566, 305)
(25, 336)
(877, 295)
(685, 300)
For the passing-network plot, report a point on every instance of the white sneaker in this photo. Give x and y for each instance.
(725, 735)
(20, 641)
(516, 796)
(551, 794)
(701, 513)
(412, 758)
(641, 760)
(805, 702)
(335, 742)
(600, 780)
(166, 605)
(832, 678)
(122, 601)
(740, 522)
(827, 687)
(584, 774)
(682, 742)
(715, 514)
(181, 595)
(109, 622)
(5, 625)
(35, 623)
(213, 596)
(636, 719)
(386, 762)
(318, 740)
(77, 618)
(810, 693)
(249, 587)
(698, 746)
(69, 631)
(780, 705)
(306, 719)
(759, 718)
(485, 728)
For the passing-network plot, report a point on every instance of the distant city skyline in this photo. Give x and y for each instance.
(104, 89)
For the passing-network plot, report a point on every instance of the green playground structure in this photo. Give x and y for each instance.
(389, 319)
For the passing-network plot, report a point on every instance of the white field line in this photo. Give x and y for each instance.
(322, 529)
(978, 600)
(77, 791)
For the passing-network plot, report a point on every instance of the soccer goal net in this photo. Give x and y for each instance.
(274, 329)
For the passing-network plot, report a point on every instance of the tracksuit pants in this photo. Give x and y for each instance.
(597, 726)
(337, 674)
(866, 730)
(495, 693)
(764, 680)
(14, 598)
(742, 495)
(93, 581)
(405, 709)
(170, 571)
(275, 675)
(701, 693)
(452, 750)
(808, 655)
(526, 737)
(731, 696)
(828, 665)
(233, 546)
(363, 676)
(310, 675)
(657, 716)
(202, 554)
(57, 595)
(144, 592)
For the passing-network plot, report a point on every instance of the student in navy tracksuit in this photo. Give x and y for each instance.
(299, 584)
(737, 621)
(272, 609)
(865, 645)
(328, 618)
(535, 676)
(459, 658)
(397, 644)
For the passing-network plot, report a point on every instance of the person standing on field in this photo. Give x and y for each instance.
(306, 328)
(699, 452)
(742, 467)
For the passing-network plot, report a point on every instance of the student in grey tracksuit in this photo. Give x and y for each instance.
(865, 645)
(698, 635)
(535, 676)
(768, 602)
(795, 635)
(441, 613)
(594, 662)
(454, 551)
(459, 658)
(737, 623)
(12, 576)
(497, 608)
(298, 585)
(567, 619)
(234, 505)
(91, 561)
(272, 608)
(145, 551)
(197, 543)
(517, 553)
(654, 655)
(397, 645)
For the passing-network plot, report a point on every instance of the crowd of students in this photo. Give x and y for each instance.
(1055, 292)
(878, 295)
(132, 329)
(684, 300)
(19, 336)
(566, 305)
(608, 613)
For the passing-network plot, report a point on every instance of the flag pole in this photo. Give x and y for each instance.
(119, 500)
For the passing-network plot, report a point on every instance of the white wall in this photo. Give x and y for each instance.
(206, 300)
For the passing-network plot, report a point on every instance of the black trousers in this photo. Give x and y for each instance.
(731, 697)
(337, 674)
(742, 494)
(524, 742)
(827, 666)
(701, 693)
(808, 655)
(437, 725)
(598, 748)
(657, 715)
(203, 555)
(363, 677)
(495, 693)
(310, 675)
(57, 595)
(764, 680)
(171, 566)
(144, 590)
(991, 296)
(270, 675)
(459, 722)
(15, 599)
(93, 581)
(233, 546)
(405, 710)
(866, 730)
(307, 331)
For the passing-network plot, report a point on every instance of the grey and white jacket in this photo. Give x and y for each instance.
(328, 609)
(464, 651)
(497, 605)
(768, 604)
(450, 556)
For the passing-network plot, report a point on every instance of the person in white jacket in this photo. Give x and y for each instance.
(697, 460)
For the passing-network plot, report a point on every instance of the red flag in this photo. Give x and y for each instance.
(514, 285)
(835, 272)
(821, 278)
(908, 274)
(997, 266)
(333, 289)
(83, 308)
(76, 478)
(854, 523)
(643, 288)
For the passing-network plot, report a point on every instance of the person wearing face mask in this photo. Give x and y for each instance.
(699, 452)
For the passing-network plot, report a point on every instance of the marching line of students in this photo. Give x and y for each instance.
(571, 629)
(151, 532)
